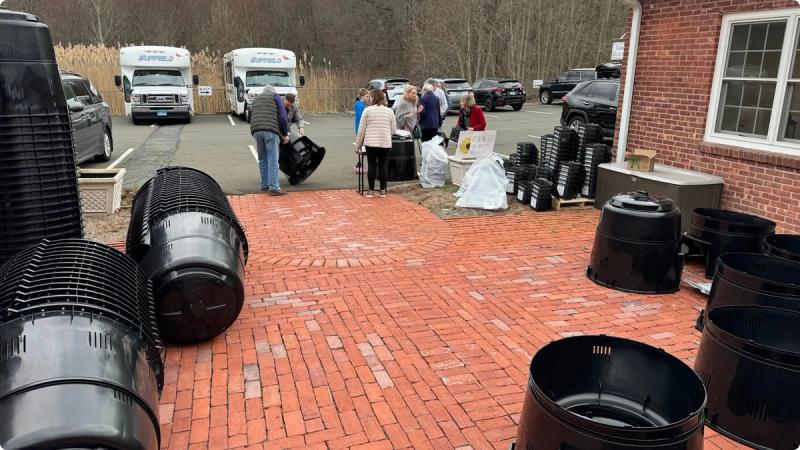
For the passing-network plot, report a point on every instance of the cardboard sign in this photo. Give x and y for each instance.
(475, 144)
(204, 91)
(537, 83)
(642, 160)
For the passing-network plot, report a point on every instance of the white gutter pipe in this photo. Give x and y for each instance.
(630, 72)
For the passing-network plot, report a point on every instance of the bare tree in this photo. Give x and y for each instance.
(105, 19)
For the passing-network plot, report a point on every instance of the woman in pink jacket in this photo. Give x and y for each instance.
(375, 133)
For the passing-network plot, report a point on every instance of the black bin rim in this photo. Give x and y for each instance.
(774, 274)
(693, 419)
(724, 220)
(721, 322)
(783, 245)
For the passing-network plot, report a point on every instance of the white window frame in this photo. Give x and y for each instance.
(771, 143)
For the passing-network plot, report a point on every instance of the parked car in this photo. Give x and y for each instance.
(592, 102)
(455, 88)
(558, 87)
(392, 87)
(90, 118)
(494, 92)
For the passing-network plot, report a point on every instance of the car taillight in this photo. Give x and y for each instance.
(497, 90)
(564, 99)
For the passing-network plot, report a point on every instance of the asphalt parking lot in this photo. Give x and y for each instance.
(221, 145)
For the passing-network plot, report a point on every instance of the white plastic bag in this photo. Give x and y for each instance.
(434, 164)
(484, 185)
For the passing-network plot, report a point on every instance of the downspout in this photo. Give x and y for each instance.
(627, 99)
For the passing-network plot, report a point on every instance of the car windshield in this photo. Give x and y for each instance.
(157, 77)
(510, 84)
(276, 78)
(457, 84)
(393, 84)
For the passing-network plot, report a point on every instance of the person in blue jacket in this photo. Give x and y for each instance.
(430, 119)
(362, 101)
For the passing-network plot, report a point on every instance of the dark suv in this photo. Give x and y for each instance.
(90, 117)
(592, 102)
(494, 92)
(555, 89)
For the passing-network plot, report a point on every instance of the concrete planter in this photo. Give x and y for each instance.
(101, 190)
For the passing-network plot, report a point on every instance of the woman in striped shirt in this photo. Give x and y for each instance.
(405, 109)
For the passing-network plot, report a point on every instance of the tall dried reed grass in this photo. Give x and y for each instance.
(327, 89)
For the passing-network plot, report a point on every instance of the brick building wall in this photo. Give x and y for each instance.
(672, 89)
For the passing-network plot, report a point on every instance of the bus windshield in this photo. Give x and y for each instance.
(275, 78)
(157, 77)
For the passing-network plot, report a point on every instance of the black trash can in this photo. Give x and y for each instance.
(749, 359)
(783, 246)
(38, 179)
(713, 232)
(402, 160)
(80, 356)
(637, 247)
(754, 279)
(189, 242)
(603, 392)
(300, 158)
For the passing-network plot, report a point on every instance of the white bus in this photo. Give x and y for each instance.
(157, 82)
(248, 70)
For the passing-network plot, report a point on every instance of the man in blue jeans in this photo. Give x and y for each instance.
(270, 127)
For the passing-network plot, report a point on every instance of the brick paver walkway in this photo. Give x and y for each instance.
(370, 323)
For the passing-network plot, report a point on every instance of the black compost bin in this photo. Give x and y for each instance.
(754, 279)
(637, 247)
(783, 246)
(602, 392)
(38, 180)
(749, 359)
(188, 241)
(300, 158)
(80, 356)
(402, 160)
(713, 232)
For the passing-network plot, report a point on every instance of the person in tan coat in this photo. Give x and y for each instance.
(375, 133)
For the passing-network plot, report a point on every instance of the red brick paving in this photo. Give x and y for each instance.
(372, 324)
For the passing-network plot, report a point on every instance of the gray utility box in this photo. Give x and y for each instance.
(687, 188)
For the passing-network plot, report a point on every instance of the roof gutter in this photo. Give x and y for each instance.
(630, 72)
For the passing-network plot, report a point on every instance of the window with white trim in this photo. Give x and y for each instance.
(755, 98)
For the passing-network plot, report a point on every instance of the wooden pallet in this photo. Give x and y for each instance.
(579, 202)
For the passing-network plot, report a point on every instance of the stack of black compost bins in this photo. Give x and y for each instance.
(300, 158)
(603, 392)
(749, 355)
(38, 180)
(713, 232)
(80, 356)
(637, 247)
(188, 241)
(749, 360)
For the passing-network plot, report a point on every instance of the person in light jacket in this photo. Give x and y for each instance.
(405, 109)
(430, 119)
(375, 133)
(470, 116)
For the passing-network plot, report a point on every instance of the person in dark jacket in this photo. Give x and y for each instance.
(430, 119)
(270, 127)
(470, 116)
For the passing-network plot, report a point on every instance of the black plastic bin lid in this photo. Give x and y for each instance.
(643, 201)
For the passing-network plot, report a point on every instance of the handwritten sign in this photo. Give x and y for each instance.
(537, 83)
(205, 91)
(475, 144)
